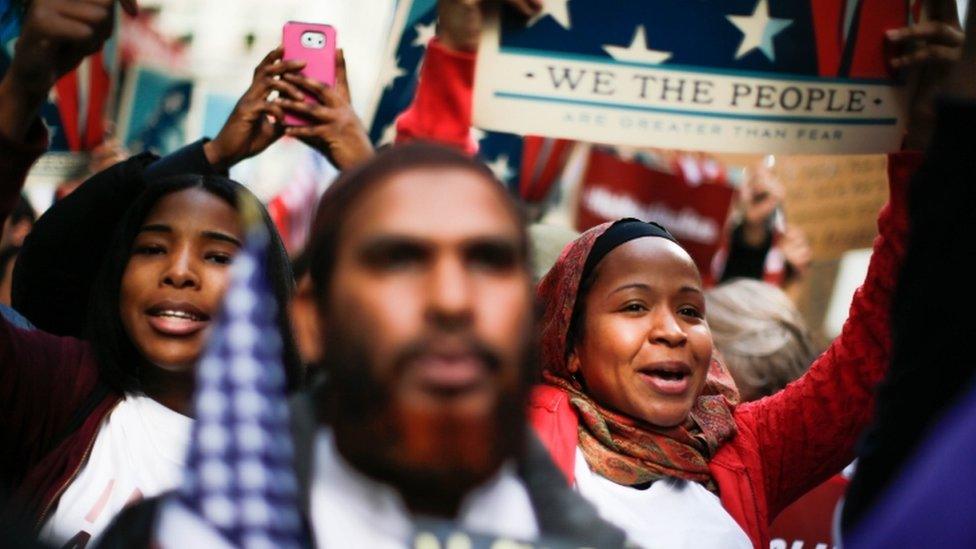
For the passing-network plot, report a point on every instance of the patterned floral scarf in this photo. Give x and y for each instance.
(626, 450)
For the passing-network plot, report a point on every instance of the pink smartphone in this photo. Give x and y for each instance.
(316, 44)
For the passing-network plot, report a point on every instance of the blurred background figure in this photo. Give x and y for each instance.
(765, 342)
(761, 244)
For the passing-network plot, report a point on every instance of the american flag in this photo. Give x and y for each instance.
(239, 487)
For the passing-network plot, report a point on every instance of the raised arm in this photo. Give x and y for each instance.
(55, 36)
(441, 109)
(807, 432)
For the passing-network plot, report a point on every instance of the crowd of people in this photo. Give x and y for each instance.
(436, 369)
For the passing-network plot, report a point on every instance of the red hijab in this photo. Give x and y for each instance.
(623, 449)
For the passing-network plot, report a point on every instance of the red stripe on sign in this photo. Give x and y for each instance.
(828, 17)
(870, 59)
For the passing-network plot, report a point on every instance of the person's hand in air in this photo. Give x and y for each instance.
(924, 53)
(333, 128)
(256, 121)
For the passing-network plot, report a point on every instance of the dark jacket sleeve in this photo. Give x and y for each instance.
(932, 310)
(61, 257)
(189, 159)
(41, 376)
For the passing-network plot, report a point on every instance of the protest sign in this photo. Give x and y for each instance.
(834, 200)
(155, 103)
(771, 76)
(695, 213)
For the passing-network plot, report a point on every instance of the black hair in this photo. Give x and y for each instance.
(6, 256)
(339, 198)
(119, 361)
(22, 211)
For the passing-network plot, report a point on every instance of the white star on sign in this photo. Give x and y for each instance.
(391, 71)
(477, 135)
(424, 34)
(500, 168)
(557, 9)
(758, 30)
(637, 51)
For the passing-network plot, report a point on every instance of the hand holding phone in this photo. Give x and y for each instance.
(315, 44)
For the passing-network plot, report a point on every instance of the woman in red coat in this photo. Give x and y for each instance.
(633, 392)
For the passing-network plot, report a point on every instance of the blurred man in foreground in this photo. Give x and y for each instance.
(421, 305)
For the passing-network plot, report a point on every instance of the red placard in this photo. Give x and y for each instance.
(808, 522)
(694, 212)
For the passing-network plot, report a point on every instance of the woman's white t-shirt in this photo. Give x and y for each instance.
(671, 513)
(139, 452)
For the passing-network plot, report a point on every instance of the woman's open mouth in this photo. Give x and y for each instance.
(669, 378)
(177, 319)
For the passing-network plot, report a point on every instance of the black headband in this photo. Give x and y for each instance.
(622, 231)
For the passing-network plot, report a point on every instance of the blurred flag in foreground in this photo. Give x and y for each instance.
(239, 488)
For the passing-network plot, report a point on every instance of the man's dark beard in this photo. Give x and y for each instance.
(432, 459)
